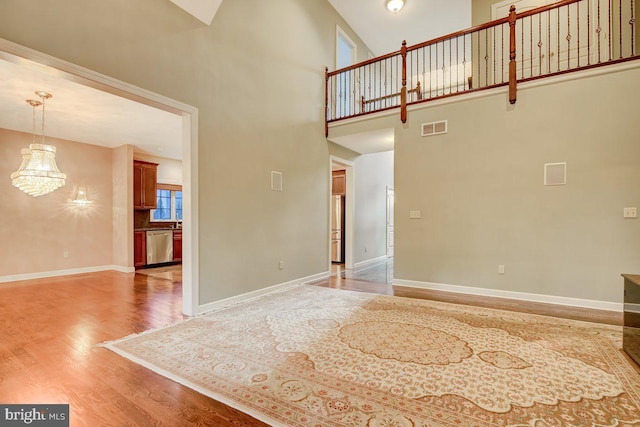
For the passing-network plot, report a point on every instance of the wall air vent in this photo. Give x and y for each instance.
(434, 128)
(555, 173)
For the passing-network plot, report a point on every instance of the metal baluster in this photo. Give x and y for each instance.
(558, 37)
(502, 55)
(578, 15)
(632, 23)
(610, 23)
(598, 31)
(530, 46)
(588, 33)
(539, 45)
(568, 37)
(620, 23)
(549, 41)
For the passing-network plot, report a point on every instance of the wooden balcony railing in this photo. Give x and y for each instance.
(566, 36)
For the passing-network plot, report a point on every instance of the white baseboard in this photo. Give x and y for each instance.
(362, 265)
(216, 305)
(45, 274)
(523, 296)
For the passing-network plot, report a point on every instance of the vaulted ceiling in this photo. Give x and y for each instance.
(80, 113)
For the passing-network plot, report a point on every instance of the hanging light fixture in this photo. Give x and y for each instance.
(38, 174)
(395, 5)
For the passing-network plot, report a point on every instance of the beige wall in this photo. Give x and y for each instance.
(256, 75)
(374, 173)
(122, 178)
(481, 11)
(483, 202)
(36, 231)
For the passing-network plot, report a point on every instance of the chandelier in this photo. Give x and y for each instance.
(38, 174)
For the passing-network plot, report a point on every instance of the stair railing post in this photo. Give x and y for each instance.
(512, 56)
(403, 91)
(326, 102)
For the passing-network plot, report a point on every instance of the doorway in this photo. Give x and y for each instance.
(18, 54)
(341, 205)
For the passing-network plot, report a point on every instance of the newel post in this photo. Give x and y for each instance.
(512, 55)
(403, 91)
(326, 102)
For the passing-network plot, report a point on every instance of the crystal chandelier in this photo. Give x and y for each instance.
(38, 174)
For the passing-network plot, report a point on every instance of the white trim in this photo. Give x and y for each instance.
(19, 54)
(522, 296)
(363, 265)
(238, 299)
(56, 273)
(632, 308)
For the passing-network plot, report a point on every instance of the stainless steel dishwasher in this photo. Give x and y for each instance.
(159, 246)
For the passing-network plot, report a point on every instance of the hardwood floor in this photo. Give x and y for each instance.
(48, 353)
(50, 329)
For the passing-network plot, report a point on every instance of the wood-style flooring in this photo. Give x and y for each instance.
(50, 329)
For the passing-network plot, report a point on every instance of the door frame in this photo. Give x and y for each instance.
(390, 191)
(16, 53)
(350, 169)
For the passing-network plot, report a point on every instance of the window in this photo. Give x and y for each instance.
(169, 202)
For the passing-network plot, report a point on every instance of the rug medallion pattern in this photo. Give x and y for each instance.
(319, 357)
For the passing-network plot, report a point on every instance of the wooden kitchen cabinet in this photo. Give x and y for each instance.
(339, 185)
(139, 248)
(145, 176)
(177, 245)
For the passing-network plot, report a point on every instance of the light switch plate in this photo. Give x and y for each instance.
(630, 212)
(414, 214)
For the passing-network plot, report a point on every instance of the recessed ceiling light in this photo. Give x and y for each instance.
(395, 5)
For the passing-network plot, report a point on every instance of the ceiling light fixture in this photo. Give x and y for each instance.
(395, 5)
(38, 173)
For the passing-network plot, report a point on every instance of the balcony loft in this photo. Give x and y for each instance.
(564, 37)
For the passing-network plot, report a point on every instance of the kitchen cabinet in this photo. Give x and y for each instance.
(177, 245)
(339, 183)
(145, 176)
(139, 248)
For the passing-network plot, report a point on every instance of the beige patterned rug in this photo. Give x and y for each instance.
(318, 357)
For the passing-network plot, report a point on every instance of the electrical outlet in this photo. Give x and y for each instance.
(65, 254)
(630, 212)
(281, 265)
(414, 214)
(501, 269)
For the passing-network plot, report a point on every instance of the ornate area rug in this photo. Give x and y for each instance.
(318, 357)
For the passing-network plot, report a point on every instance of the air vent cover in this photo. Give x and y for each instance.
(555, 173)
(434, 128)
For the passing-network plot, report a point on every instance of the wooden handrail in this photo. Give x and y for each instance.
(542, 9)
(364, 63)
(461, 33)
